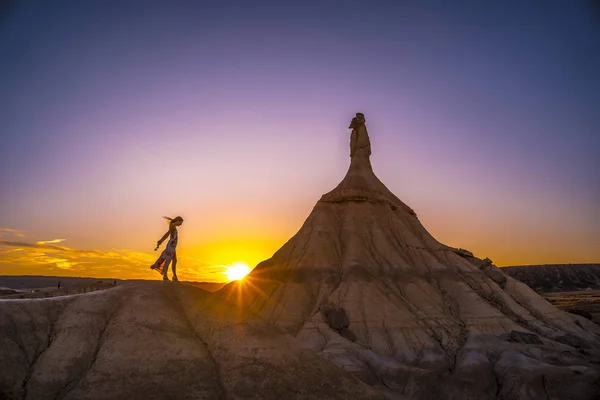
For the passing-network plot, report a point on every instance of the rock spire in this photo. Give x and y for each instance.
(367, 287)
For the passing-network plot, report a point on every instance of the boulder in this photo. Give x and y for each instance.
(336, 318)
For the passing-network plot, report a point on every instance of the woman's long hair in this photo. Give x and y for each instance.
(170, 221)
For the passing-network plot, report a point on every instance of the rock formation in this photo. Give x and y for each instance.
(365, 286)
(156, 341)
(361, 291)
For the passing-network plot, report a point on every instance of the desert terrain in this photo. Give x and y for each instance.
(362, 302)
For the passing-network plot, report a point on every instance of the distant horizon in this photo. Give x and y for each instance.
(227, 282)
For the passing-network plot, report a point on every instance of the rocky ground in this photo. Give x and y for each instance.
(585, 303)
(36, 287)
(574, 288)
(156, 341)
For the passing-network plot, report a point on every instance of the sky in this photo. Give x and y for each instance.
(484, 118)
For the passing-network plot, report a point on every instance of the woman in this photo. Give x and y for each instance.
(162, 264)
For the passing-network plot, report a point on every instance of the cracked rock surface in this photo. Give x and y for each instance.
(156, 341)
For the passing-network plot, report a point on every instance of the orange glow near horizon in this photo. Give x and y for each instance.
(218, 261)
(205, 253)
(201, 259)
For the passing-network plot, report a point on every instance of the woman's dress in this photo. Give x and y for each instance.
(162, 264)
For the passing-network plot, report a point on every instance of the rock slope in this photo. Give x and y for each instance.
(156, 341)
(364, 285)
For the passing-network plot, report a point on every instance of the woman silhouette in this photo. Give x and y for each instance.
(169, 253)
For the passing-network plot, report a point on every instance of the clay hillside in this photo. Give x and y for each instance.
(156, 341)
(365, 286)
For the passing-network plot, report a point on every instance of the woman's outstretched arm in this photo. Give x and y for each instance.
(162, 239)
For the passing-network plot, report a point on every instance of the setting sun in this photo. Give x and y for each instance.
(237, 271)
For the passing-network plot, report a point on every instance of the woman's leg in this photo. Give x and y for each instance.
(174, 267)
(165, 270)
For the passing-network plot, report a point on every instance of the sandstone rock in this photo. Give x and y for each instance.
(427, 318)
(463, 252)
(336, 318)
(348, 334)
(156, 341)
(496, 275)
(486, 262)
(573, 341)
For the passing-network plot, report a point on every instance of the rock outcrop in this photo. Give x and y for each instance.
(156, 341)
(424, 320)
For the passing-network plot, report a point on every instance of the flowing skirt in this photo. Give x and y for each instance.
(162, 264)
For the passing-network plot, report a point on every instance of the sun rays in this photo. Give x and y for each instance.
(237, 271)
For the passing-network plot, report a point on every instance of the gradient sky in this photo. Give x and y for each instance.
(484, 118)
